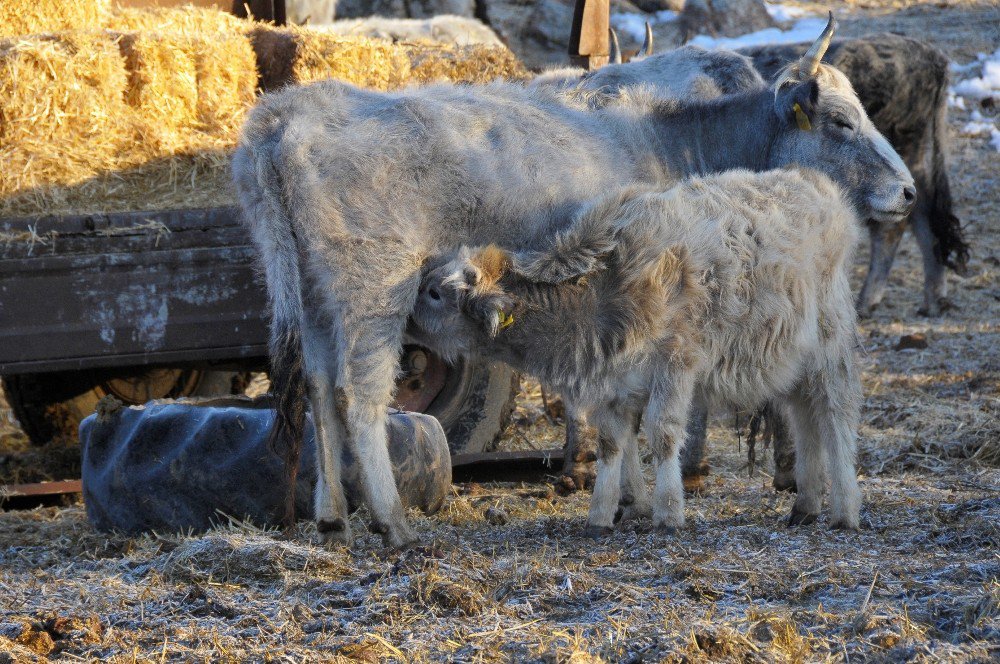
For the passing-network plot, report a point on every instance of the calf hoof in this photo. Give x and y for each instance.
(634, 512)
(398, 538)
(577, 477)
(845, 524)
(597, 532)
(800, 518)
(784, 482)
(334, 532)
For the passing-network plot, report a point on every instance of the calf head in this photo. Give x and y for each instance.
(461, 305)
(823, 125)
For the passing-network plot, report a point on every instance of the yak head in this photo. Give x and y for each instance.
(824, 126)
(461, 305)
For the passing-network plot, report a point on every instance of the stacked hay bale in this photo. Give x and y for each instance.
(29, 17)
(144, 113)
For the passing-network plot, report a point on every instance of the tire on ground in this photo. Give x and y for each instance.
(475, 405)
(51, 405)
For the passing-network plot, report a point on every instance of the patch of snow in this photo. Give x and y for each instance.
(806, 29)
(977, 128)
(955, 101)
(634, 25)
(782, 13)
(987, 84)
(995, 139)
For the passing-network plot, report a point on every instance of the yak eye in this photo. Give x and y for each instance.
(843, 123)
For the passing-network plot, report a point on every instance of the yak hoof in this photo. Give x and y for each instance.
(334, 532)
(597, 532)
(800, 518)
(784, 482)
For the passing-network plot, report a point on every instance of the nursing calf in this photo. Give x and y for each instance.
(733, 287)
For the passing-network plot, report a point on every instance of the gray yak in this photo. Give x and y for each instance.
(347, 191)
(731, 286)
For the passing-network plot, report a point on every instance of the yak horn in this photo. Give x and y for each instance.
(810, 61)
(615, 51)
(647, 44)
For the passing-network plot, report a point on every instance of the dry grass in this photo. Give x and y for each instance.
(503, 572)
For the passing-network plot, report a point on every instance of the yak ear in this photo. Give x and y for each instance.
(492, 311)
(797, 103)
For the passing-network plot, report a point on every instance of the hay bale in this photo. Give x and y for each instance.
(63, 117)
(29, 17)
(368, 63)
(463, 64)
(162, 88)
(189, 91)
(187, 20)
(303, 55)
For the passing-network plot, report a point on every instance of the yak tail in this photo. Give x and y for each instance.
(261, 196)
(950, 247)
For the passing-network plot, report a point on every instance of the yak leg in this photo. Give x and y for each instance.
(666, 419)
(579, 452)
(615, 432)
(330, 506)
(694, 468)
(884, 243)
(935, 281)
(634, 502)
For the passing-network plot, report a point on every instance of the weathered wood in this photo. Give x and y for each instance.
(125, 289)
(589, 43)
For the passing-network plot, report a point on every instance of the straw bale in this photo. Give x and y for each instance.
(62, 109)
(463, 64)
(368, 63)
(186, 20)
(303, 55)
(163, 88)
(189, 90)
(28, 17)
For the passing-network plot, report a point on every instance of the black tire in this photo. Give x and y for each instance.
(52, 405)
(475, 405)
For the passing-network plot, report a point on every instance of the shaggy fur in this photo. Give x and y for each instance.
(347, 191)
(733, 286)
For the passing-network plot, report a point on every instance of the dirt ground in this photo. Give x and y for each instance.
(503, 572)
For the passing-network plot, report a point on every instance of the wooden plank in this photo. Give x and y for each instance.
(527, 465)
(589, 44)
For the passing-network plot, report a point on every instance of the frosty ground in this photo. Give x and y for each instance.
(503, 571)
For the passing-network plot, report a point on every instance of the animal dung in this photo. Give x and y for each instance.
(119, 109)
(915, 341)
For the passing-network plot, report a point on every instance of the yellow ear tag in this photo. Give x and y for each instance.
(506, 320)
(801, 118)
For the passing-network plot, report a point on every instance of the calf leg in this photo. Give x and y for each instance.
(330, 505)
(634, 503)
(884, 244)
(666, 418)
(615, 433)
(374, 363)
(693, 464)
(837, 402)
(579, 452)
(784, 450)
(824, 414)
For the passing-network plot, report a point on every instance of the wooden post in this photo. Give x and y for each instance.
(588, 40)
